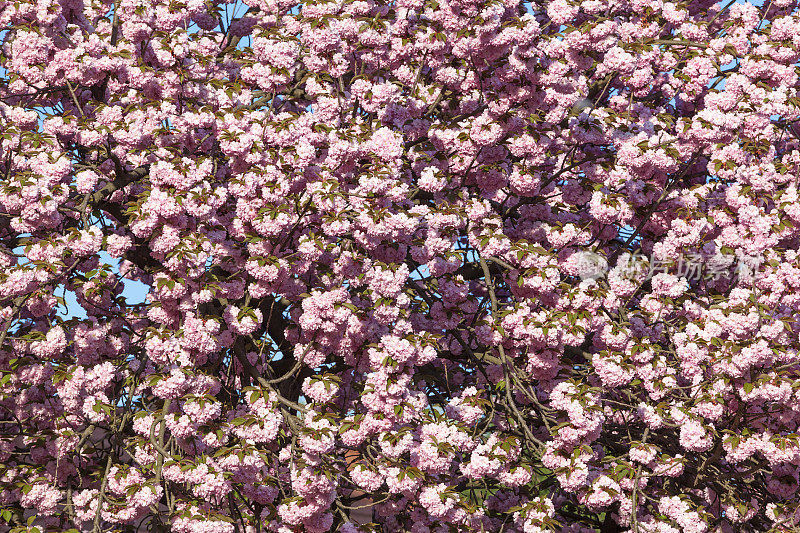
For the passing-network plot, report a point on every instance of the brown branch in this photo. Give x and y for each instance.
(101, 495)
(506, 364)
(159, 445)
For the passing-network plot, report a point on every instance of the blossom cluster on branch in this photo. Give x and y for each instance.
(364, 225)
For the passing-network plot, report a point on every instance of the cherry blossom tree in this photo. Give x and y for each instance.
(418, 265)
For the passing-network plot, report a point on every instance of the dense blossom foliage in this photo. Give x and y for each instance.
(457, 265)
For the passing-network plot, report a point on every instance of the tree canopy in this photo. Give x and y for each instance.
(417, 265)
